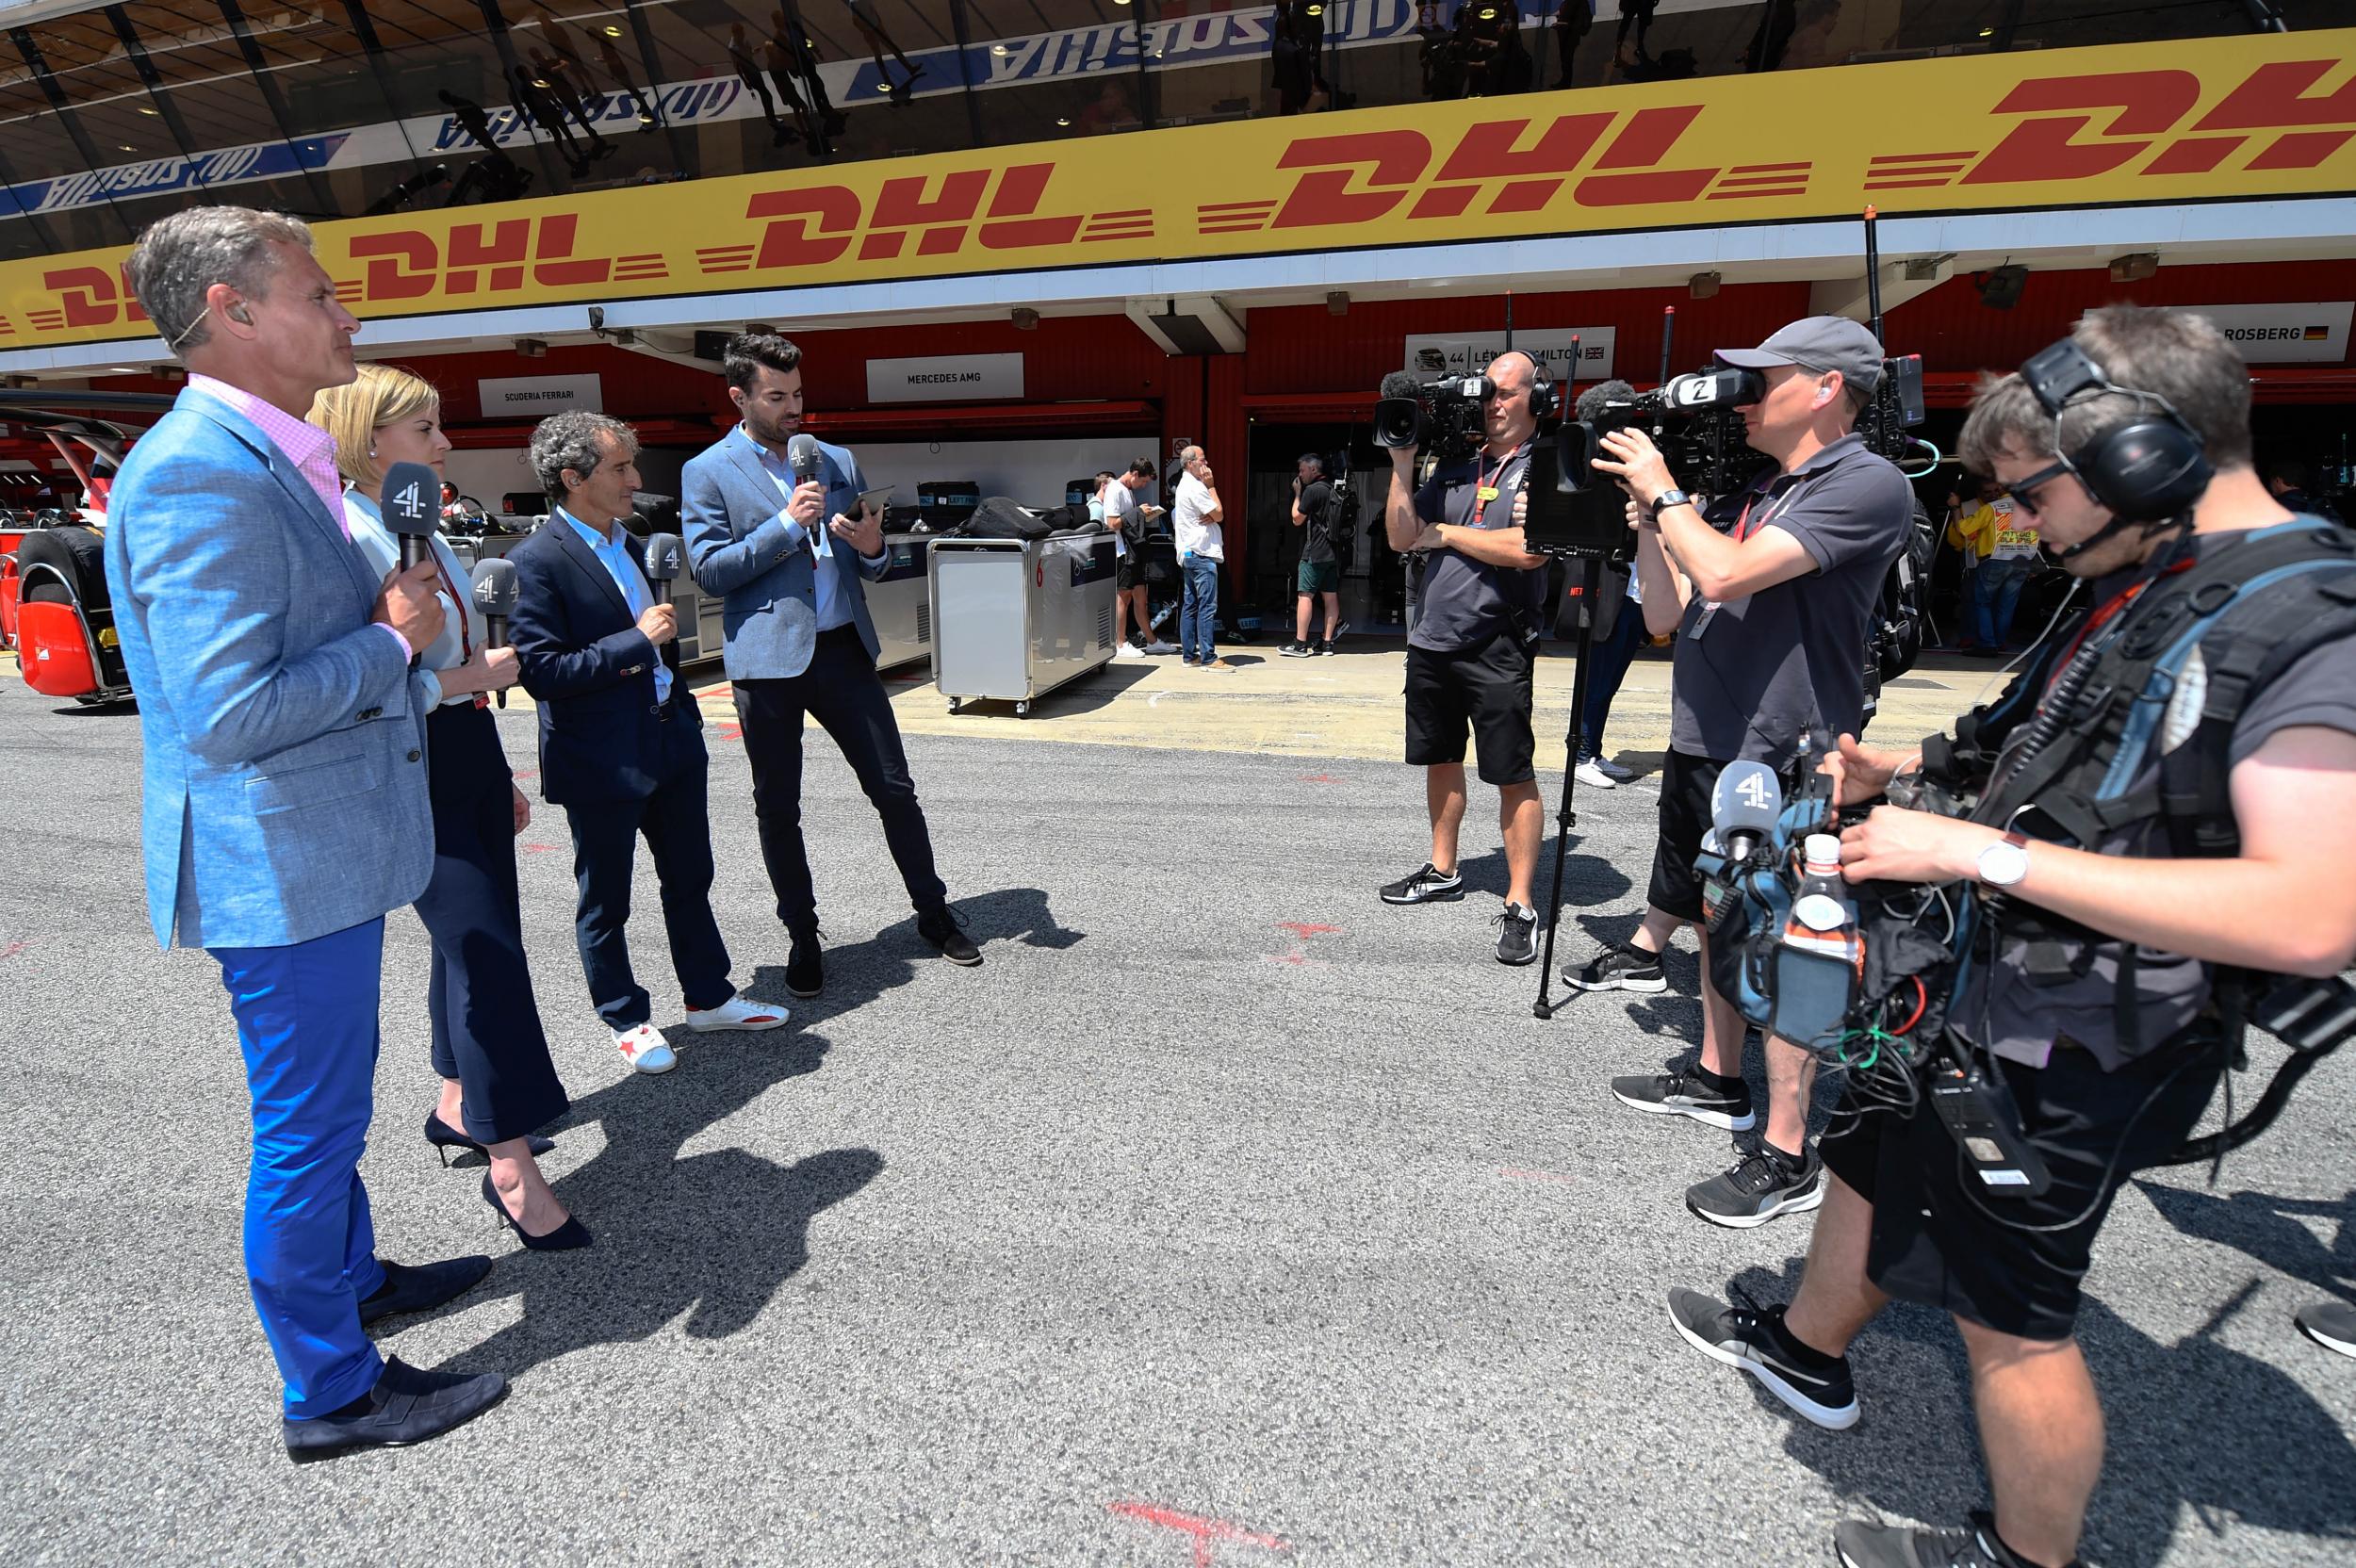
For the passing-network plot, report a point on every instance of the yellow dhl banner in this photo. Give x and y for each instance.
(2267, 115)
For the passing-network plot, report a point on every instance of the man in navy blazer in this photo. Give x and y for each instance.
(621, 740)
(283, 787)
(799, 640)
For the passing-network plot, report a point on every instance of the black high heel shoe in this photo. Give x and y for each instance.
(444, 1138)
(566, 1237)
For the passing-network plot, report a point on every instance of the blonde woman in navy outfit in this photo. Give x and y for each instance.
(498, 1082)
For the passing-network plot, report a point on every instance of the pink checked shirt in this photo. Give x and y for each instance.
(302, 444)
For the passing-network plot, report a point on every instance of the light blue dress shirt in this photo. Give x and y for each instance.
(613, 549)
(833, 608)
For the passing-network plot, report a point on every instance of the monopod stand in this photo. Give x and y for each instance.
(1591, 566)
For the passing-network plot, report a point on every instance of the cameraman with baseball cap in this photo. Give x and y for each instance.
(1772, 595)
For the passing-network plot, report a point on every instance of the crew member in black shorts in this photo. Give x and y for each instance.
(1771, 593)
(1470, 653)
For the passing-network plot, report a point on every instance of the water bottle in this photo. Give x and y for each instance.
(1820, 961)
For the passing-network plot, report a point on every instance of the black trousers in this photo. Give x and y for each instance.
(842, 691)
(487, 1027)
(677, 831)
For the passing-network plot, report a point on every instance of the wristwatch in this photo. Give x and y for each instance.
(1668, 498)
(2004, 863)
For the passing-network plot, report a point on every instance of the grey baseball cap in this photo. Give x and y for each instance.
(1818, 343)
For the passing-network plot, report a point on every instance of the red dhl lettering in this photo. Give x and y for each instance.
(493, 258)
(93, 296)
(813, 225)
(2137, 109)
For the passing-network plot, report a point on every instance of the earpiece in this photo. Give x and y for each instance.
(241, 315)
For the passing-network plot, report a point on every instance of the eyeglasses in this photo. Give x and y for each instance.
(2022, 494)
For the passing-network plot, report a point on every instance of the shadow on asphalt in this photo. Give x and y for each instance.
(2212, 1435)
(1587, 879)
(2268, 1228)
(713, 1234)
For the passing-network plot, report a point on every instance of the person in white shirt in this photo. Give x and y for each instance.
(1116, 507)
(1201, 552)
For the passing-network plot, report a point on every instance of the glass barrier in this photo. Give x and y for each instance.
(113, 117)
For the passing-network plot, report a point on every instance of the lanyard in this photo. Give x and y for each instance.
(2108, 612)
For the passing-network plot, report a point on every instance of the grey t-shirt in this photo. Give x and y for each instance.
(2015, 1015)
(1465, 602)
(1754, 674)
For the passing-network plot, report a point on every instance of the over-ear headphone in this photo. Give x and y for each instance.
(2148, 470)
(1545, 399)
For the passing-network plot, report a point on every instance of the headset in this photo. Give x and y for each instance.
(2149, 470)
(1545, 399)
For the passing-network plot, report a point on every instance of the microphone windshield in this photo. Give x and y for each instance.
(413, 499)
(661, 554)
(1400, 383)
(802, 452)
(1746, 803)
(495, 586)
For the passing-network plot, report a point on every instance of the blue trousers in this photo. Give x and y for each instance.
(1612, 655)
(306, 1021)
(1995, 595)
(1198, 612)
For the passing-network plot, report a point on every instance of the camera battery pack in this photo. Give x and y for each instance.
(1981, 1118)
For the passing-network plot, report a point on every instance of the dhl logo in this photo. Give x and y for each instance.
(814, 225)
(486, 258)
(86, 297)
(2142, 114)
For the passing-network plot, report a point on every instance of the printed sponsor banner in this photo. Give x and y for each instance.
(2284, 335)
(2228, 118)
(1432, 357)
(940, 378)
(537, 397)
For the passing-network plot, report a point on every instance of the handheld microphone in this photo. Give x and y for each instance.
(1743, 807)
(413, 505)
(802, 453)
(495, 590)
(660, 555)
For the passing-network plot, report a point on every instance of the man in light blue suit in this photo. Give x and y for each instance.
(799, 640)
(284, 787)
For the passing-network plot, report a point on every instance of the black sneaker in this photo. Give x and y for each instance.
(940, 927)
(1684, 1093)
(1296, 650)
(1757, 1342)
(2330, 1324)
(1326, 648)
(1517, 935)
(1427, 886)
(1756, 1189)
(805, 966)
(1859, 1544)
(1625, 968)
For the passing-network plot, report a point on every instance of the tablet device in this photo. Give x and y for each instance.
(872, 500)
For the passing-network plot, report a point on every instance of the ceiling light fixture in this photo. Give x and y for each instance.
(126, 147)
(148, 112)
(612, 31)
(1000, 49)
(1062, 120)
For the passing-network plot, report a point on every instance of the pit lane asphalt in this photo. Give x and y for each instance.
(1222, 1206)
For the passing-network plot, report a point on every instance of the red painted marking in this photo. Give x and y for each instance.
(1515, 1174)
(1319, 779)
(1306, 932)
(1296, 958)
(13, 949)
(1203, 1530)
(527, 773)
(539, 849)
(731, 732)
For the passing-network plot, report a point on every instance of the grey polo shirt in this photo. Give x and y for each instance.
(1464, 603)
(1754, 674)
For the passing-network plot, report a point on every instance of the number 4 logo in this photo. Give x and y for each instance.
(1754, 792)
(409, 503)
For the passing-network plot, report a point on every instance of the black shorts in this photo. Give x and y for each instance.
(1485, 689)
(1934, 1241)
(1126, 575)
(1685, 786)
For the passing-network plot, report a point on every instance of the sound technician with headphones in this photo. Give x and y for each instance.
(2141, 810)
(1470, 653)
(1772, 594)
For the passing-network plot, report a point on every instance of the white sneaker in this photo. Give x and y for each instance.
(1158, 647)
(737, 1012)
(644, 1049)
(1128, 650)
(1591, 773)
